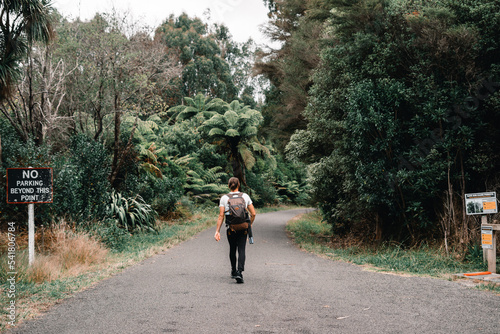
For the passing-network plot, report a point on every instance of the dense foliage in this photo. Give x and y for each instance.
(21, 24)
(138, 128)
(392, 104)
(401, 116)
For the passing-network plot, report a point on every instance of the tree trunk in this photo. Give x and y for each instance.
(98, 110)
(116, 150)
(378, 228)
(239, 171)
(237, 164)
(465, 239)
(449, 217)
(123, 153)
(35, 117)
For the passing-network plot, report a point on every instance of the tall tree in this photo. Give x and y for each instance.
(22, 22)
(205, 69)
(112, 55)
(34, 110)
(120, 69)
(235, 133)
(391, 139)
(296, 26)
(241, 58)
(200, 105)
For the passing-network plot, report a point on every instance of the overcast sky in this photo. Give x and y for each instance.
(242, 17)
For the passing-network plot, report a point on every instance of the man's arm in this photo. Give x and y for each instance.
(251, 209)
(220, 220)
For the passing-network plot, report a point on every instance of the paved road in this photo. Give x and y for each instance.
(187, 289)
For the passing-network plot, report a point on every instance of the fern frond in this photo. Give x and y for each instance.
(216, 132)
(182, 160)
(155, 118)
(247, 156)
(231, 118)
(151, 169)
(232, 133)
(249, 131)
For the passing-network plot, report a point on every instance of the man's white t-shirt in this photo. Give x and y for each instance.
(225, 198)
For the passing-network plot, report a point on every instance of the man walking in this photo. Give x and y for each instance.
(237, 238)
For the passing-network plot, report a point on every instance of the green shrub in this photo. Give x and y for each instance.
(262, 190)
(314, 234)
(110, 233)
(169, 193)
(474, 254)
(81, 185)
(132, 213)
(161, 194)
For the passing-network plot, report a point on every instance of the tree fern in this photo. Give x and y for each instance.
(149, 160)
(205, 183)
(235, 132)
(198, 106)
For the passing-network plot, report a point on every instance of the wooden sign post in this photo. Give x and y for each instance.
(489, 242)
(482, 204)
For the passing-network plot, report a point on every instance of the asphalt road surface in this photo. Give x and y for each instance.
(188, 289)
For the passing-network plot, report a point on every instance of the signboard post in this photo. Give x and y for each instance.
(30, 186)
(31, 233)
(483, 204)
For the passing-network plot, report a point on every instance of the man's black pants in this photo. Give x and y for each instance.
(237, 242)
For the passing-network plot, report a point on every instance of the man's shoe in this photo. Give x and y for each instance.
(239, 277)
(234, 273)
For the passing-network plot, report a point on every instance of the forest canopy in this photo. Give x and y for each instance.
(402, 110)
(138, 124)
(382, 113)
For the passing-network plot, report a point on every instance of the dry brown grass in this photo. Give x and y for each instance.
(45, 269)
(60, 252)
(78, 249)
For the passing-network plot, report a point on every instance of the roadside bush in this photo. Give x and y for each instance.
(109, 233)
(132, 213)
(162, 194)
(278, 181)
(474, 254)
(262, 190)
(81, 186)
(66, 252)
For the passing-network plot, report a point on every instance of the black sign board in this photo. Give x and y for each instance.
(29, 185)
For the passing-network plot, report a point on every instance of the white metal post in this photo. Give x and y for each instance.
(31, 233)
(484, 221)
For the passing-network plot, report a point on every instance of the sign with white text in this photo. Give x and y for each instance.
(29, 185)
(481, 203)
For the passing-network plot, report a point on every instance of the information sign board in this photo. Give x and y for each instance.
(481, 203)
(29, 185)
(487, 237)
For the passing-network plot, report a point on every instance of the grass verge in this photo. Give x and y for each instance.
(275, 208)
(310, 234)
(74, 262)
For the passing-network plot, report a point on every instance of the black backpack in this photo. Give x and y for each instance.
(238, 218)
